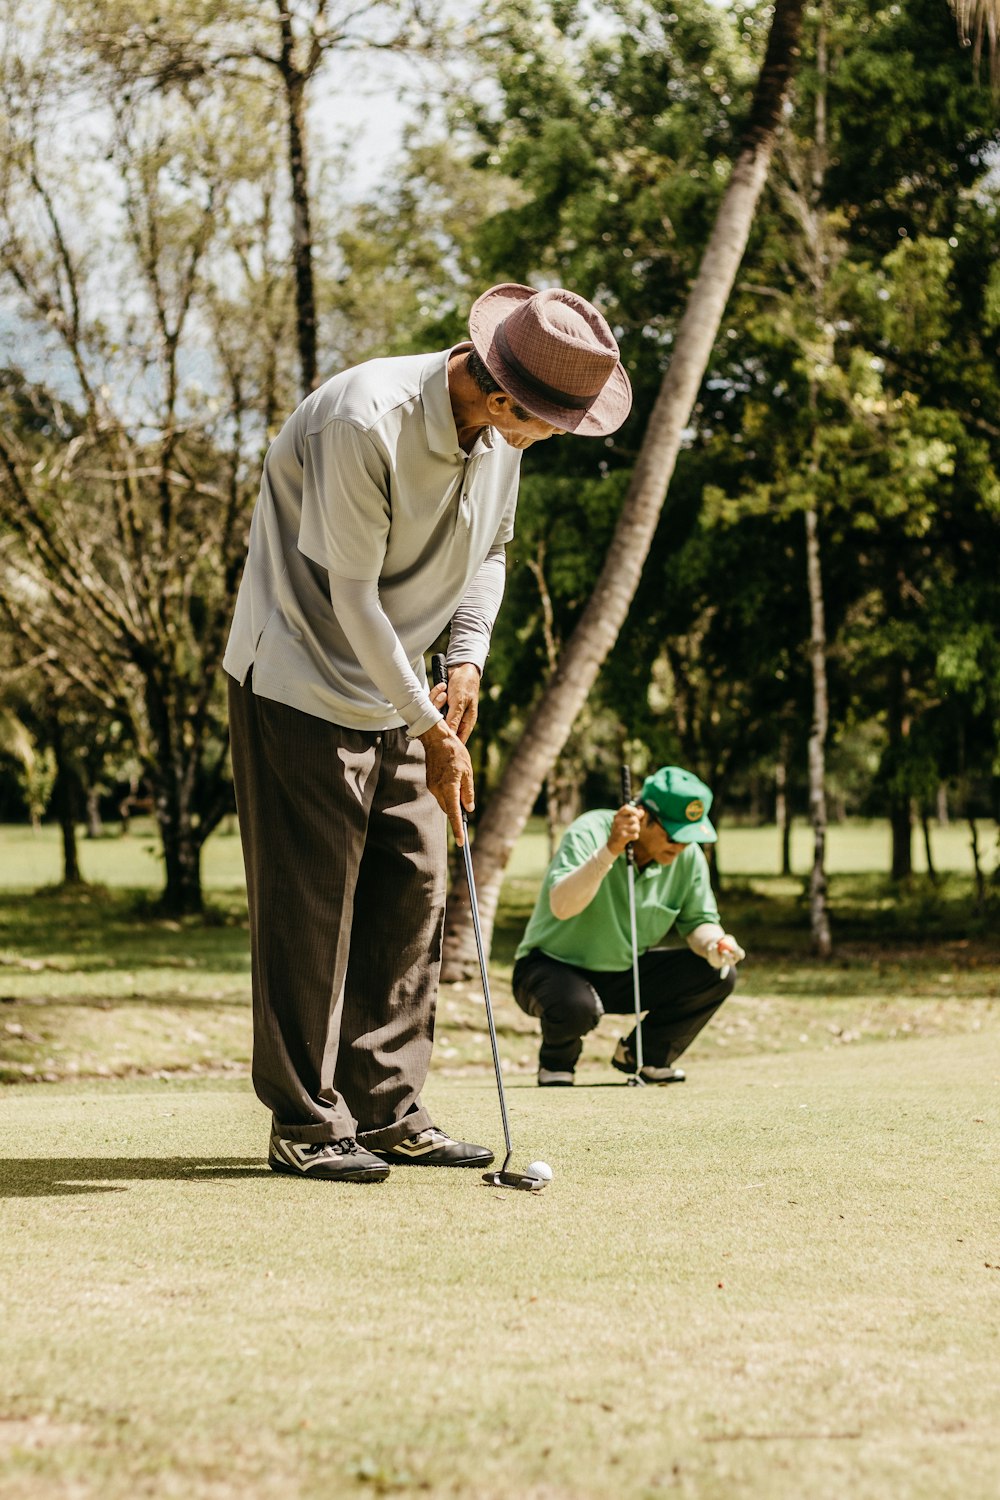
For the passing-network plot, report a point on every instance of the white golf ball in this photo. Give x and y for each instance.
(540, 1169)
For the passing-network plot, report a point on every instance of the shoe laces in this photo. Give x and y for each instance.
(346, 1147)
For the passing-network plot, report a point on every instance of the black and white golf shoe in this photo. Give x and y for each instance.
(552, 1078)
(333, 1161)
(432, 1148)
(624, 1061)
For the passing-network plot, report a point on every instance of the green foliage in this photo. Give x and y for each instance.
(37, 777)
(855, 373)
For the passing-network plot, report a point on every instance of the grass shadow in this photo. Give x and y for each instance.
(94, 928)
(50, 1176)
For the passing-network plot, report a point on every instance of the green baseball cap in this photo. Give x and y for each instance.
(681, 803)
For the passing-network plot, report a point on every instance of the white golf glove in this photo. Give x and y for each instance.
(724, 952)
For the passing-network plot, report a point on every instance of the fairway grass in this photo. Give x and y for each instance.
(780, 1279)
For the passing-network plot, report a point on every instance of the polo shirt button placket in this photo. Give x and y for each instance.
(464, 503)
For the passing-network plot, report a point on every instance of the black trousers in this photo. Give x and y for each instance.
(344, 849)
(679, 993)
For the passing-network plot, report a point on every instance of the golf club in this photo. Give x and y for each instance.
(635, 1079)
(526, 1181)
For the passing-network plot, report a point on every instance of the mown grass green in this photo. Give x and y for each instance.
(780, 1281)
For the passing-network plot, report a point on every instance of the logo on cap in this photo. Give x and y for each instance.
(694, 810)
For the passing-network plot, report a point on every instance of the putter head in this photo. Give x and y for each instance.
(519, 1180)
(635, 1082)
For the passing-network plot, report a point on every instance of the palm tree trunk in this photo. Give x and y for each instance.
(550, 723)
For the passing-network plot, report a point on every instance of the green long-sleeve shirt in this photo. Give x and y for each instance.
(666, 896)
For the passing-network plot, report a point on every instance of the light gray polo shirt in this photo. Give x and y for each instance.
(366, 481)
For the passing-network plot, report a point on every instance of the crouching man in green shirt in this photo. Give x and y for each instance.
(574, 963)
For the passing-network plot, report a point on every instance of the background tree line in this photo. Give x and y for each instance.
(816, 619)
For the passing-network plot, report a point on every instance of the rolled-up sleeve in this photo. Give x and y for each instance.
(344, 526)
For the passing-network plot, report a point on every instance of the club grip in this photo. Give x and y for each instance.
(627, 797)
(626, 784)
(439, 672)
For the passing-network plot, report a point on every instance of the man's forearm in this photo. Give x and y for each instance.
(701, 939)
(473, 621)
(379, 651)
(574, 892)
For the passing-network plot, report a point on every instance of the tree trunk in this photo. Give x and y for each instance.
(943, 816)
(900, 801)
(536, 566)
(757, 817)
(302, 240)
(782, 816)
(925, 823)
(95, 827)
(819, 917)
(712, 856)
(71, 858)
(64, 796)
(172, 774)
(976, 861)
(63, 801)
(182, 895)
(901, 824)
(550, 723)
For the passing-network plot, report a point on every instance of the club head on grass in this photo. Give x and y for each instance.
(523, 1181)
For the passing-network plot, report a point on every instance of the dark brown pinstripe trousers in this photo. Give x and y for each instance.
(345, 858)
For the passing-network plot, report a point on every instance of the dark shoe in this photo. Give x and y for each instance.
(550, 1078)
(334, 1161)
(432, 1148)
(624, 1061)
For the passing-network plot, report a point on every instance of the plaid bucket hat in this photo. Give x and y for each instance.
(555, 354)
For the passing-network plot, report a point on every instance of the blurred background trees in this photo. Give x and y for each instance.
(153, 254)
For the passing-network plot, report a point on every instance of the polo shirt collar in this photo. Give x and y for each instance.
(439, 419)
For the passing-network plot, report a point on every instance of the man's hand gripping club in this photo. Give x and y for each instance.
(449, 768)
(625, 829)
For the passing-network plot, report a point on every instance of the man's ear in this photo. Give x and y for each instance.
(497, 401)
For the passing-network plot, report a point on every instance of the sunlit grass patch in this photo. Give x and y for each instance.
(774, 1281)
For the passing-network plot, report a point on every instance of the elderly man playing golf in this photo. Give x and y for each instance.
(386, 502)
(575, 961)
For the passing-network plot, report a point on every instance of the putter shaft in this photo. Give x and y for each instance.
(637, 999)
(481, 950)
(497, 1179)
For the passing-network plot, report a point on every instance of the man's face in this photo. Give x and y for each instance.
(517, 427)
(657, 843)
